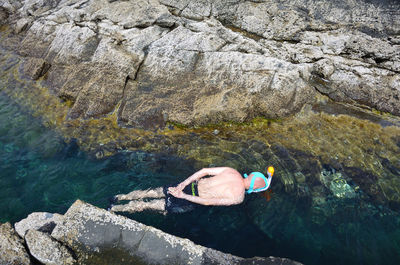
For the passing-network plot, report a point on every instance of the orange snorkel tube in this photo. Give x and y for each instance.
(271, 171)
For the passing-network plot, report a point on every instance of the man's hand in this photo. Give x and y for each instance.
(181, 186)
(176, 192)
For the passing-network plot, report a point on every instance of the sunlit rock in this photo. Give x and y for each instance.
(200, 62)
(335, 182)
(96, 235)
(12, 250)
(47, 250)
(44, 222)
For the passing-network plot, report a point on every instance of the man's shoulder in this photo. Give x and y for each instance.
(231, 172)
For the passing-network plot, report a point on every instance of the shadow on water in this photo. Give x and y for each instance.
(319, 213)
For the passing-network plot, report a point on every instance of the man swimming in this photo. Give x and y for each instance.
(225, 187)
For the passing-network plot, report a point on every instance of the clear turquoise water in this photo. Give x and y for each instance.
(40, 172)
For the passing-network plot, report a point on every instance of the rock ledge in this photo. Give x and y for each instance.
(86, 234)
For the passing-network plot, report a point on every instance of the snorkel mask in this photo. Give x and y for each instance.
(256, 175)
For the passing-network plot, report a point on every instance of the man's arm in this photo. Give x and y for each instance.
(214, 201)
(201, 173)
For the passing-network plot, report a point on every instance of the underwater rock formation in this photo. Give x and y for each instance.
(196, 62)
(97, 236)
(335, 182)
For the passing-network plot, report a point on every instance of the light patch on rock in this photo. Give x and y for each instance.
(335, 182)
(35, 221)
(47, 250)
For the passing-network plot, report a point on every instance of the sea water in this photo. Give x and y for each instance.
(41, 171)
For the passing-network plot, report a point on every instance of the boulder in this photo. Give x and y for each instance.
(96, 235)
(12, 250)
(46, 249)
(41, 221)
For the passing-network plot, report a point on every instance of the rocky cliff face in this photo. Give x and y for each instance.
(199, 62)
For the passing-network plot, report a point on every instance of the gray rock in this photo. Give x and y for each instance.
(129, 14)
(199, 62)
(42, 221)
(101, 89)
(72, 44)
(46, 249)
(283, 20)
(23, 24)
(37, 7)
(355, 81)
(12, 250)
(94, 233)
(11, 6)
(214, 85)
(34, 68)
(3, 14)
(38, 39)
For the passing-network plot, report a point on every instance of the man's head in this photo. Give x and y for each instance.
(257, 182)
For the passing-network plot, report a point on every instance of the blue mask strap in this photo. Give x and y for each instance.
(250, 190)
(258, 175)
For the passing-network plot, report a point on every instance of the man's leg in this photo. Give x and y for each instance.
(141, 194)
(138, 206)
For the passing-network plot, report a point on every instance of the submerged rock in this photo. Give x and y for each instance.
(12, 250)
(335, 182)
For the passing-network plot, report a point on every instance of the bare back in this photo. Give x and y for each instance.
(226, 185)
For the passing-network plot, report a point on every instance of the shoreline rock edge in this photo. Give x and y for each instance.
(86, 234)
(198, 63)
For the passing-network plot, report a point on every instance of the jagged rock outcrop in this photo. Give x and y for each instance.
(12, 250)
(196, 62)
(94, 233)
(86, 234)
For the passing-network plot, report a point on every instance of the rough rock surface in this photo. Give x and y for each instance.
(40, 221)
(47, 250)
(12, 250)
(196, 62)
(94, 233)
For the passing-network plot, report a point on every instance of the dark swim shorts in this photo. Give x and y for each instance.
(176, 205)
